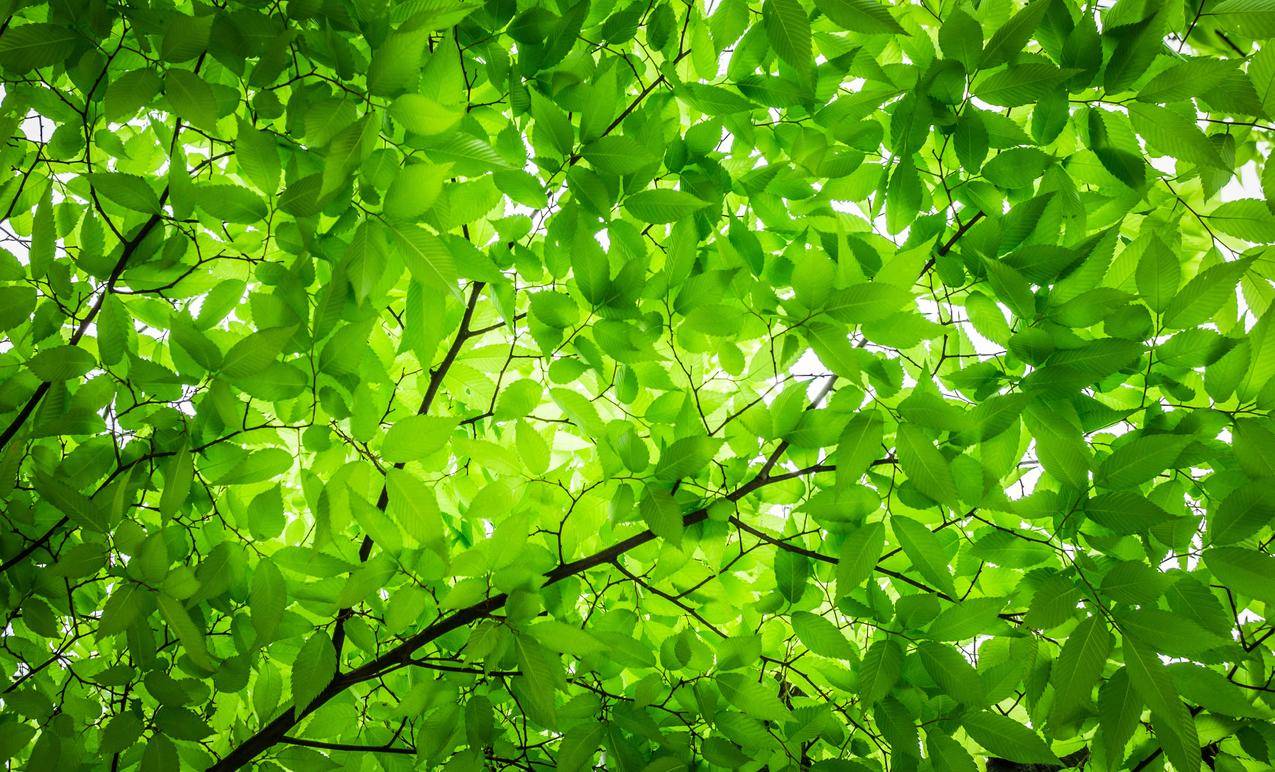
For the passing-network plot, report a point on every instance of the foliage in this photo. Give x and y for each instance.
(799, 383)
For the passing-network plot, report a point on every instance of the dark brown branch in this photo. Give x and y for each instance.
(344, 747)
(946, 246)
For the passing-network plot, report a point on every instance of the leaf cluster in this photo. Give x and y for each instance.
(793, 384)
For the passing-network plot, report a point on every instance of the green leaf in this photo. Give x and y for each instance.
(1016, 168)
(616, 155)
(396, 62)
(1244, 570)
(266, 600)
(191, 98)
(882, 664)
(967, 619)
(127, 190)
(1158, 274)
(43, 236)
(16, 305)
(1174, 726)
(864, 16)
(421, 115)
(1008, 739)
(114, 328)
(416, 437)
(1217, 81)
(946, 753)
(539, 679)
(1250, 18)
(178, 477)
(1010, 39)
(1203, 295)
(1078, 667)
(257, 466)
(1174, 134)
(821, 636)
(755, 699)
(788, 30)
(426, 257)
(792, 571)
(1241, 514)
(866, 302)
(925, 466)
(953, 674)
(376, 525)
(1244, 218)
(313, 669)
(61, 363)
(130, 92)
(125, 604)
(715, 100)
(1060, 447)
(1125, 512)
(191, 637)
(1019, 84)
(859, 555)
(961, 38)
(1211, 690)
(1166, 632)
(70, 501)
(26, 47)
(579, 747)
(859, 445)
(1140, 460)
(552, 124)
(258, 158)
(663, 205)
(923, 549)
(231, 203)
(256, 352)
(414, 506)
(685, 457)
(1119, 711)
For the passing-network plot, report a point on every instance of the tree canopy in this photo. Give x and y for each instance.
(551, 384)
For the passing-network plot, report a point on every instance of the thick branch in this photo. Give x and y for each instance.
(946, 246)
(344, 747)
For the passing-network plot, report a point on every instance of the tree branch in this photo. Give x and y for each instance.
(288, 740)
